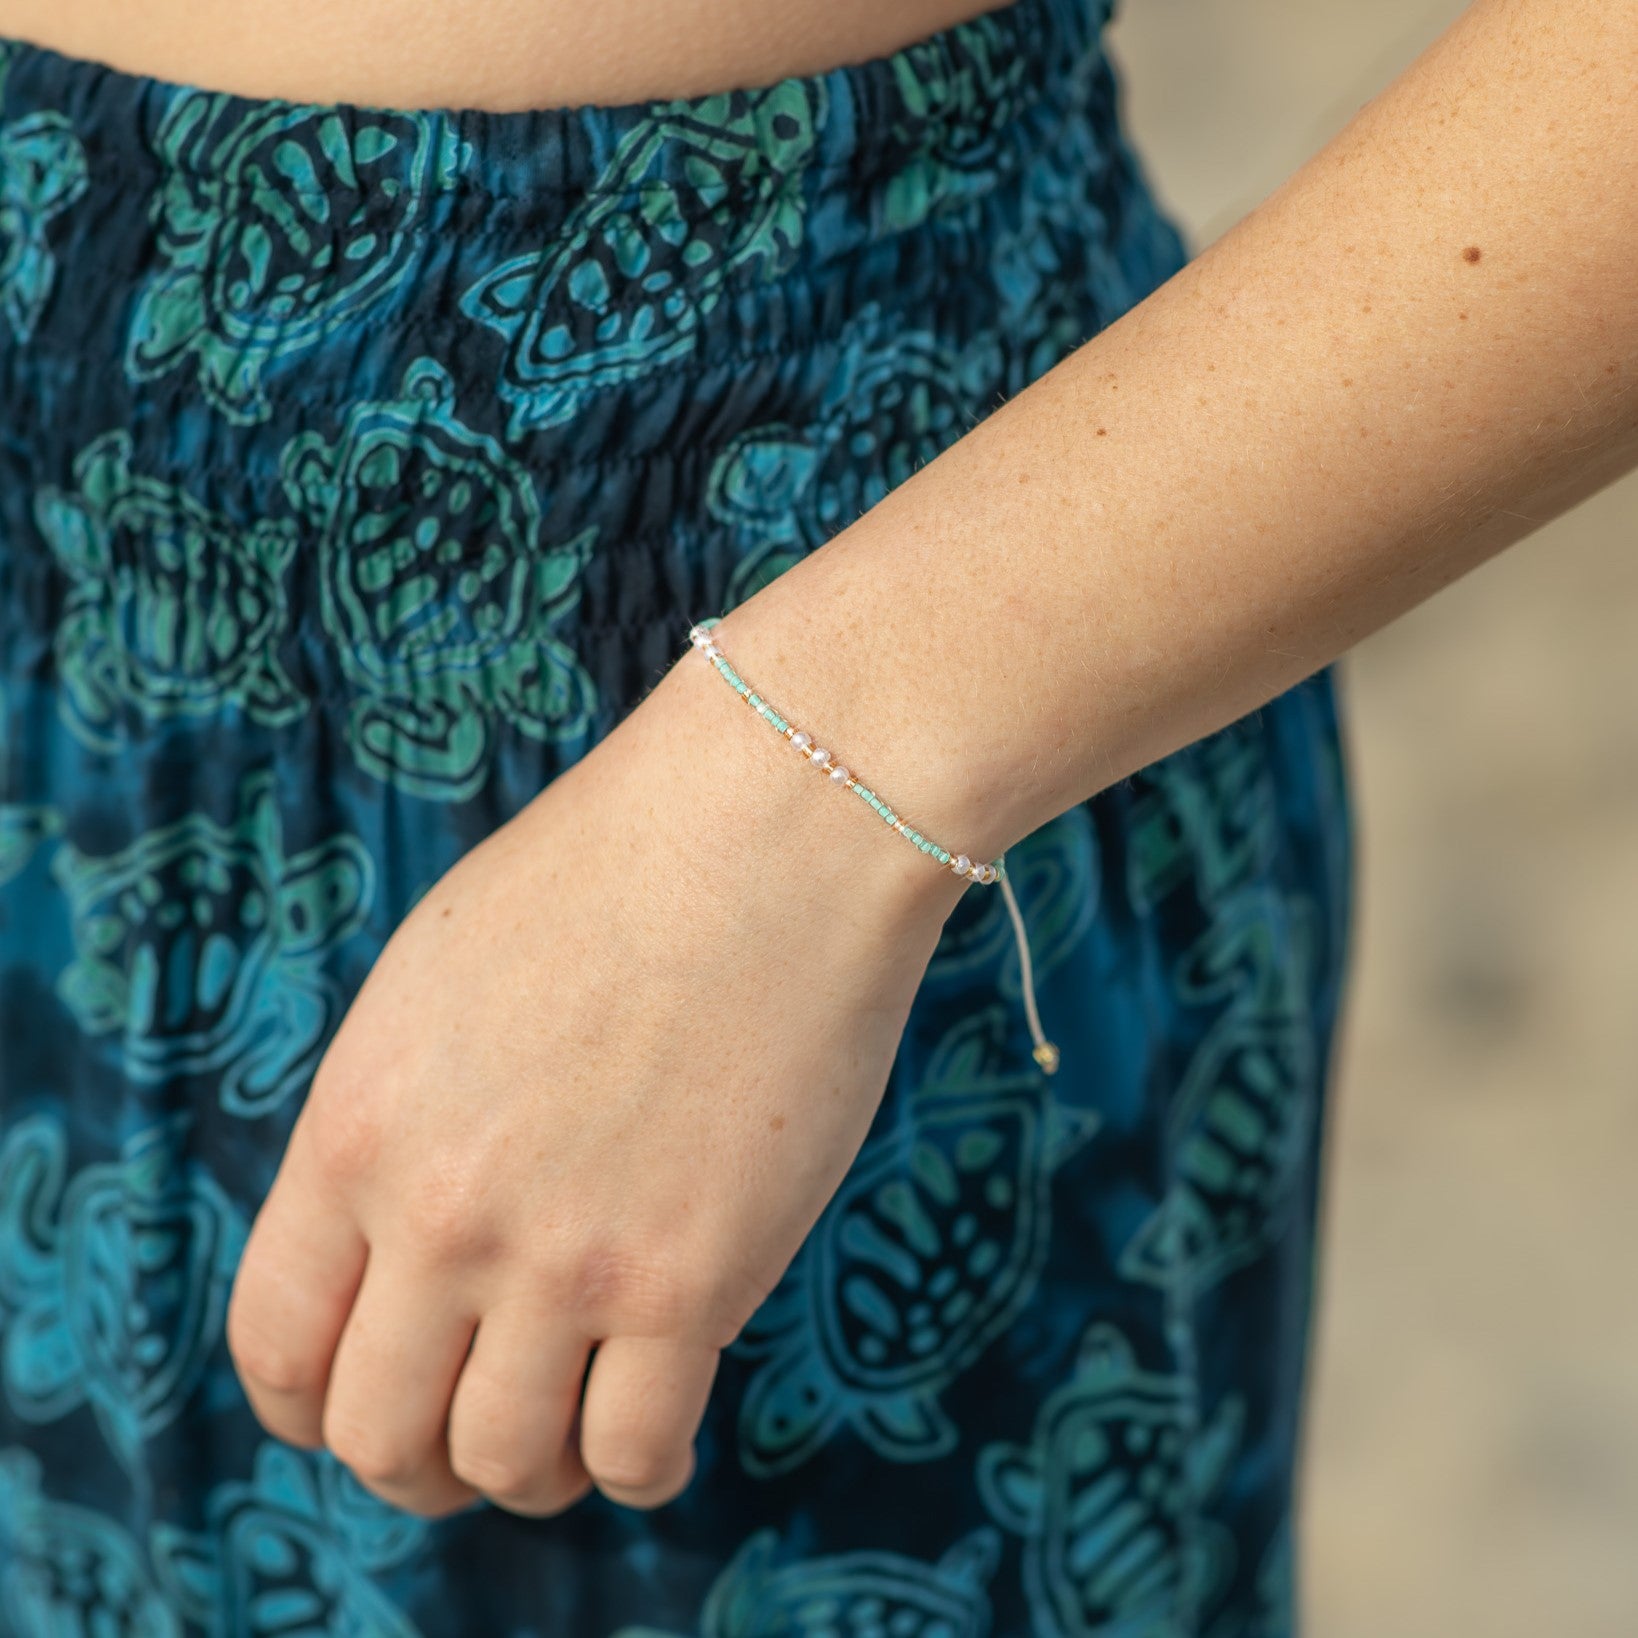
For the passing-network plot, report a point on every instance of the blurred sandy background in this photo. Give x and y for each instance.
(1472, 1457)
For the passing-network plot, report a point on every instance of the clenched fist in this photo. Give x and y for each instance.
(589, 1101)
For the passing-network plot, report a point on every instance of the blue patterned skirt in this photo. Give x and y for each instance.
(358, 470)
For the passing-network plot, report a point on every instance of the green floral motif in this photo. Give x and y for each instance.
(695, 191)
(896, 399)
(203, 948)
(278, 223)
(42, 173)
(437, 589)
(852, 1594)
(172, 608)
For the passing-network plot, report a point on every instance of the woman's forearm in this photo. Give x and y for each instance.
(1415, 352)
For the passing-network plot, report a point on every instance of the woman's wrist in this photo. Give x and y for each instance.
(823, 642)
(740, 805)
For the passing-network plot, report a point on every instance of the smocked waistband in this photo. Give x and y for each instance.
(942, 99)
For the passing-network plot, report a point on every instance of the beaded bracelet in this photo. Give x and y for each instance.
(702, 638)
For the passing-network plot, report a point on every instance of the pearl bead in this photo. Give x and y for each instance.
(820, 756)
(961, 864)
(801, 741)
(840, 774)
(698, 636)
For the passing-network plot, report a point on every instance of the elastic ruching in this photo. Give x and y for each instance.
(871, 118)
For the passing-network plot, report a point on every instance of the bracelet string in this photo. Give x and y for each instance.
(702, 636)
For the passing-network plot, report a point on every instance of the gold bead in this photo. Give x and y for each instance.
(1046, 1055)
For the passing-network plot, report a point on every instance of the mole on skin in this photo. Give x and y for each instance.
(1471, 254)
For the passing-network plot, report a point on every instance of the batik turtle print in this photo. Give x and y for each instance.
(42, 173)
(1107, 1496)
(70, 1569)
(279, 225)
(1209, 814)
(171, 608)
(847, 1595)
(696, 192)
(290, 1552)
(1241, 1123)
(361, 469)
(1056, 874)
(198, 948)
(899, 398)
(924, 1256)
(439, 593)
(114, 1283)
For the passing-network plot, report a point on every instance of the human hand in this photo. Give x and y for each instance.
(596, 1090)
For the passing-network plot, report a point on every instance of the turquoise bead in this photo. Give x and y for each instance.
(766, 710)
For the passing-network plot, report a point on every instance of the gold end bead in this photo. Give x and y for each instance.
(1046, 1055)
